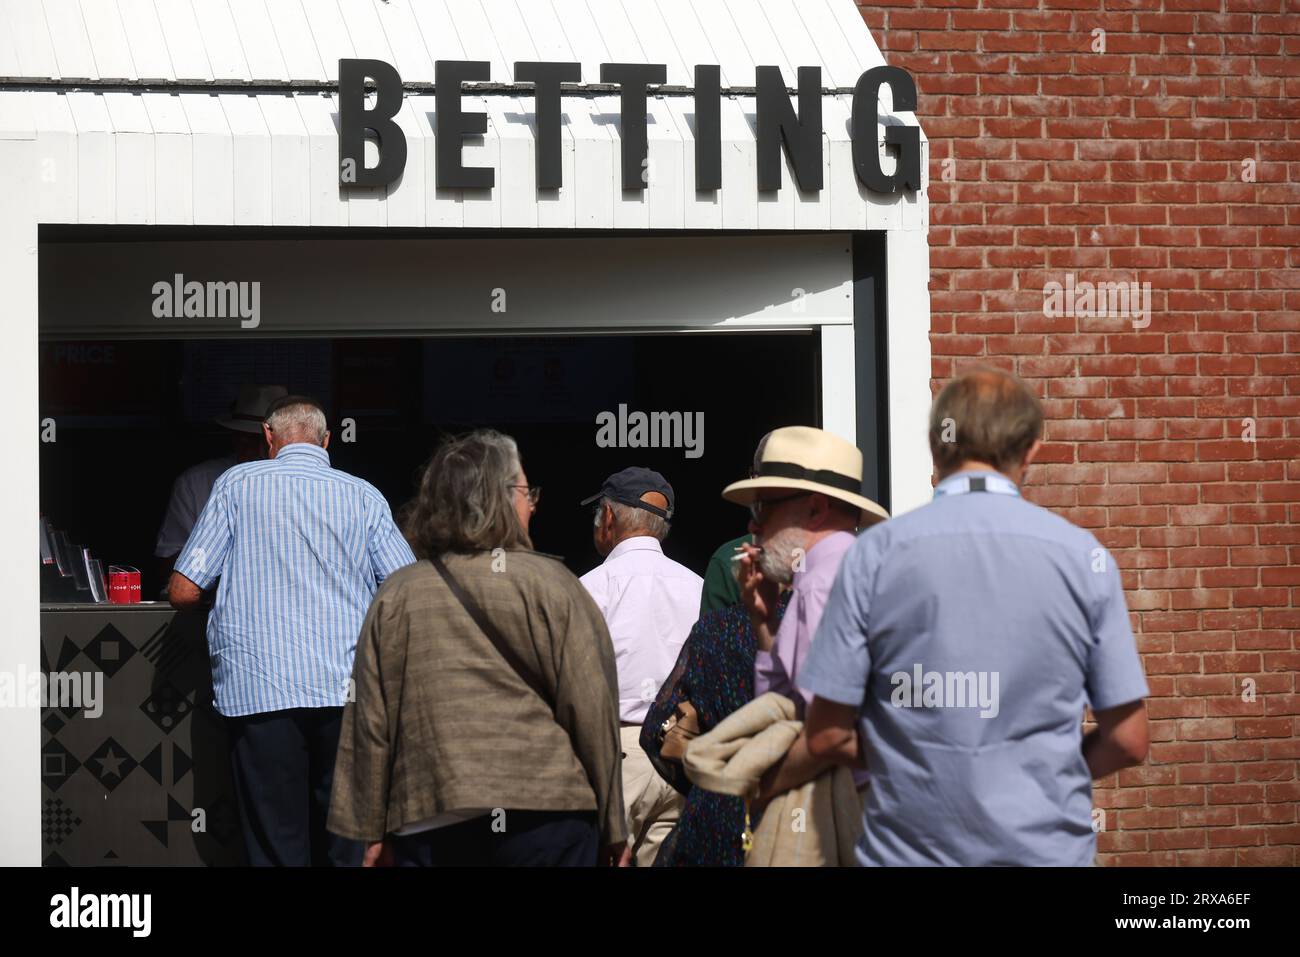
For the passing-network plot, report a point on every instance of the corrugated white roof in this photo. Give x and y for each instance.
(272, 159)
(263, 42)
(264, 156)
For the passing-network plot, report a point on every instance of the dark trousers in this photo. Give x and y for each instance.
(283, 764)
(519, 839)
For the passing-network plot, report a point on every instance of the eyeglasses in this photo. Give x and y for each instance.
(757, 506)
(534, 493)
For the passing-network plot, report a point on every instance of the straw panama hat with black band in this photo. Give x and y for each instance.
(798, 457)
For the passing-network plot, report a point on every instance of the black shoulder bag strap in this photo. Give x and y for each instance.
(498, 640)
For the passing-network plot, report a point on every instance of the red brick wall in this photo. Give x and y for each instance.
(1127, 165)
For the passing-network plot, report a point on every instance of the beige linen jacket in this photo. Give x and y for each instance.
(815, 825)
(440, 722)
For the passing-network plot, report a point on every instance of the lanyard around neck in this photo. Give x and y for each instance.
(981, 482)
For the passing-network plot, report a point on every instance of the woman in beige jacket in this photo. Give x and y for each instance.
(493, 741)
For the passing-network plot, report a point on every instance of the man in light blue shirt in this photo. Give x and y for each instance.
(300, 549)
(960, 644)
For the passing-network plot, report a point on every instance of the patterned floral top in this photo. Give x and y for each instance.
(715, 672)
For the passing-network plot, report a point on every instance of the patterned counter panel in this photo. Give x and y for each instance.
(147, 781)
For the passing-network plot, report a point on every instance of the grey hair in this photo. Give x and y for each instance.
(302, 418)
(629, 519)
(465, 503)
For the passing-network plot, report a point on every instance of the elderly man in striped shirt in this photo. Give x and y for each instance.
(300, 549)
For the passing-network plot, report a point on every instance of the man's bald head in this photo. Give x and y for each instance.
(985, 416)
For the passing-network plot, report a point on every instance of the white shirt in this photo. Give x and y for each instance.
(190, 493)
(650, 603)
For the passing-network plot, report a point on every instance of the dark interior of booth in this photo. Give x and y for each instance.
(124, 412)
(127, 416)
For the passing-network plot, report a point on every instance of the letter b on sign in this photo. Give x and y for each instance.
(355, 119)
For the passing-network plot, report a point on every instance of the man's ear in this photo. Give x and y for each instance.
(266, 434)
(821, 508)
(326, 443)
(1031, 454)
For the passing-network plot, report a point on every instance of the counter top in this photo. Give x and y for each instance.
(139, 606)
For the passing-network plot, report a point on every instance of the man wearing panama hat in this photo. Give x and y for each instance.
(192, 487)
(805, 502)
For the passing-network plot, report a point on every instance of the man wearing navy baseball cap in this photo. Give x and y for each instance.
(637, 487)
(650, 603)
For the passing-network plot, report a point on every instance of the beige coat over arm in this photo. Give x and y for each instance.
(815, 825)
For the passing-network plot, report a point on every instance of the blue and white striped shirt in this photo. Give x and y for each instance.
(300, 549)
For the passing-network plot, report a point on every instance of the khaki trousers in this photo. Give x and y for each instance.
(651, 804)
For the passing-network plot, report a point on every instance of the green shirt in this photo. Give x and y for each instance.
(721, 590)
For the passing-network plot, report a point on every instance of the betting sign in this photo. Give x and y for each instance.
(779, 125)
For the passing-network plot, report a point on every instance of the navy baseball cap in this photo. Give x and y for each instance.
(630, 484)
